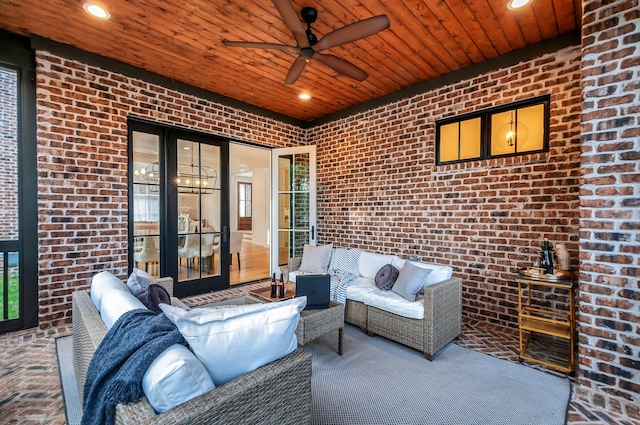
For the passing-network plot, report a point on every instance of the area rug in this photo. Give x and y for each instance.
(377, 381)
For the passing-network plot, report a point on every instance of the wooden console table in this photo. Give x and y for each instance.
(556, 323)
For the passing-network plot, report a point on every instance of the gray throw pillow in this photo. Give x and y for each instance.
(315, 259)
(138, 280)
(386, 277)
(410, 281)
(152, 295)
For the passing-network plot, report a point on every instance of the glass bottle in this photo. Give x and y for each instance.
(274, 287)
(548, 257)
(281, 287)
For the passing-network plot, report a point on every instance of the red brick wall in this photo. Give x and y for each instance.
(8, 154)
(379, 188)
(610, 207)
(82, 166)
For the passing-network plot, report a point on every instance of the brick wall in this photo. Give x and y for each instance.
(610, 207)
(379, 188)
(8, 154)
(82, 166)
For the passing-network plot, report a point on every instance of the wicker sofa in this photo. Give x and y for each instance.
(276, 393)
(441, 322)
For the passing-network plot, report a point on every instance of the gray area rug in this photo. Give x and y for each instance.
(377, 381)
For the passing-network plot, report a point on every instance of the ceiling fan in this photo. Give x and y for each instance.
(309, 47)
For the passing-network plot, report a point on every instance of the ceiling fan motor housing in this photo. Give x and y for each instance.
(309, 15)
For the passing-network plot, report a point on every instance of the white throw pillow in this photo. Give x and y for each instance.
(138, 279)
(233, 340)
(315, 259)
(115, 303)
(102, 283)
(174, 377)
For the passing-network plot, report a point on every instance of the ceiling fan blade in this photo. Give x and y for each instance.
(295, 70)
(256, 45)
(342, 66)
(352, 32)
(291, 19)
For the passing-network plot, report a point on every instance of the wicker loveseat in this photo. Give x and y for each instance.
(441, 301)
(277, 393)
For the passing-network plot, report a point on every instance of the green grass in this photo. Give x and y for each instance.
(13, 297)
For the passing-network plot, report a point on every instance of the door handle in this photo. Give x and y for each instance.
(313, 233)
(225, 234)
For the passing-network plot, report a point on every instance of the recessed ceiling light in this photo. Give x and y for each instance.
(517, 4)
(97, 11)
(304, 96)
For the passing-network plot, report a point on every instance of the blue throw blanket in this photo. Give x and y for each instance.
(121, 360)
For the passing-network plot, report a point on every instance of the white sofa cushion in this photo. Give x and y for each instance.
(115, 303)
(174, 377)
(438, 271)
(359, 288)
(394, 303)
(370, 263)
(233, 340)
(102, 283)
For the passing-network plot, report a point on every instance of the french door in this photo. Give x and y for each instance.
(179, 207)
(293, 201)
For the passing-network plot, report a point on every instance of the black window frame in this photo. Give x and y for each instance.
(485, 129)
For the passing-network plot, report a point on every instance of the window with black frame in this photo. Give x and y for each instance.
(515, 129)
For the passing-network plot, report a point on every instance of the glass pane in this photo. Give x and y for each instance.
(9, 288)
(301, 211)
(9, 144)
(198, 210)
(284, 210)
(449, 142)
(284, 241)
(301, 172)
(470, 138)
(530, 128)
(503, 133)
(146, 202)
(300, 239)
(284, 173)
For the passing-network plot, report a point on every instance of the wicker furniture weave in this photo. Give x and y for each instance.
(276, 393)
(441, 323)
(315, 323)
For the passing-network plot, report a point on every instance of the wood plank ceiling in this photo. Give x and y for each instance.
(182, 40)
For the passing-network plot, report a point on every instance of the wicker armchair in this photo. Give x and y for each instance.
(441, 324)
(276, 393)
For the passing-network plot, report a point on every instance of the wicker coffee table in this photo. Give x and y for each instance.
(313, 323)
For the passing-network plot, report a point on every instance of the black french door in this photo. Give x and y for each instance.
(179, 206)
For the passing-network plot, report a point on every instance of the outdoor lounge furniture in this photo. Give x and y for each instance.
(276, 393)
(427, 324)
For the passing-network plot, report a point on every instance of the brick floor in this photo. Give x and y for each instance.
(30, 382)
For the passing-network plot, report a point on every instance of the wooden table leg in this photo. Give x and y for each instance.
(340, 341)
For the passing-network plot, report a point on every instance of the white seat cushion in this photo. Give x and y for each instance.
(174, 377)
(103, 283)
(293, 275)
(359, 288)
(233, 340)
(115, 303)
(438, 271)
(370, 263)
(395, 303)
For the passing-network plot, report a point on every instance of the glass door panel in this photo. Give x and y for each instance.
(146, 202)
(294, 199)
(199, 208)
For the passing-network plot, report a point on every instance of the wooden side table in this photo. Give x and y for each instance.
(548, 322)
